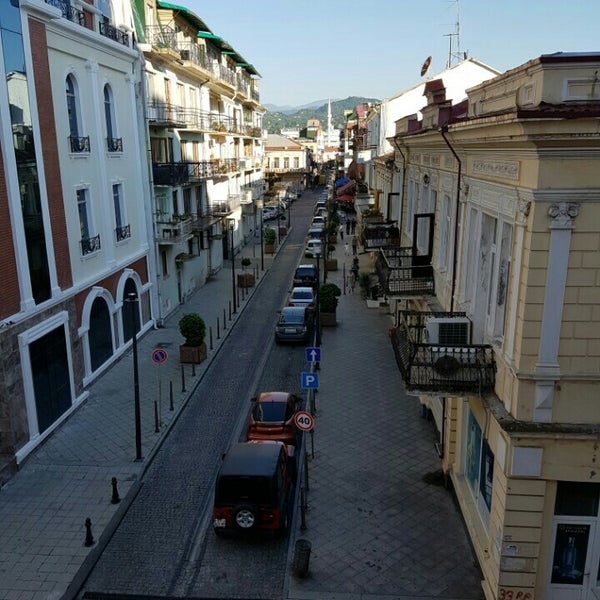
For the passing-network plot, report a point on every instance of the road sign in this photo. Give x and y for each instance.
(304, 420)
(159, 356)
(310, 381)
(313, 355)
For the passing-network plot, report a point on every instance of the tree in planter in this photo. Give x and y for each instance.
(328, 301)
(244, 279)
(193, 330)
(270, 237)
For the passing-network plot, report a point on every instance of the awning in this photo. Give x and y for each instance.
(346, 187)
(345, 198)
(207, 35)
(194, 19)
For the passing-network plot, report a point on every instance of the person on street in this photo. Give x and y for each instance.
(341, 232)
(354, 246)
(346, 249)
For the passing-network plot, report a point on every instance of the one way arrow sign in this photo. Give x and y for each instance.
(313, 355)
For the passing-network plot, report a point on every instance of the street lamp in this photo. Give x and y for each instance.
(262, 253)
(133, 301)
(231, 225)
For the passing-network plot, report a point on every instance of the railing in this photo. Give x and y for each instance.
(440, 368)
(174, 230)
(79, 145)
(68, 12)
(400, 274)
(114, 144)
(163, 113)
(172, 173)
(162, 38)
(166, 113)
(89, 245)
(122, 233)
(111, 32)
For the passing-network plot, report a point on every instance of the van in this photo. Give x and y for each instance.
(253, 490)
(313, 248)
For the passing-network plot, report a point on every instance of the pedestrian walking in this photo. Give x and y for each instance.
(353, 226)
(348, 227)
(354, 246)
(346, 249)
(341, 232)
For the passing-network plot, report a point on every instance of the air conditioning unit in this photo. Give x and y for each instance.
(448, 331)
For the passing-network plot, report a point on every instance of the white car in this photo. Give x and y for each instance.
(302, 296)
(313, 248)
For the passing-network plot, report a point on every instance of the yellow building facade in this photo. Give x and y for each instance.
(500, 215)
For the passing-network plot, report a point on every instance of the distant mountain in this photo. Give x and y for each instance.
(288, 117)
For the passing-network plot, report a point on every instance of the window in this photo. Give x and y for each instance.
(122, 228)
(89, 242)
(72, 107)
(286, 162)
(410, 207)
(113, 143)
(445, 229)
(479, 466)
(296, 162)
(276, 162)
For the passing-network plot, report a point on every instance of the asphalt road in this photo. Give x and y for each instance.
(165, 546)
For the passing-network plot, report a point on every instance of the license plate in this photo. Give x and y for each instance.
(219, 523)
(289, 330)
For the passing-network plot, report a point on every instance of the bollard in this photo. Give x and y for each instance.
(193, 369)
(210, 337)
(115, 492)
(218, 330)
(224, 321)
(171, 407)
(89, 538)
(182, 379)
(230, 310)
(156, 427)
(301, 557)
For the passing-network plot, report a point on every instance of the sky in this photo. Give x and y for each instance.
(331, 49)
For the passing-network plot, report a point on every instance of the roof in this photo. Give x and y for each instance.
(194, 19)
(259, 460)
(280, 142)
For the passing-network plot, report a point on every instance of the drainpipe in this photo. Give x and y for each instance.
(443, 130)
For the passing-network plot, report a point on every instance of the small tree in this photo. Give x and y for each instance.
(193, 329)
(328, 297)
(246, 262)
(270, 236)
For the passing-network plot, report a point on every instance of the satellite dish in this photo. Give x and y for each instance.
(425, 66)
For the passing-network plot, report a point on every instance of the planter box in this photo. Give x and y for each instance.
(270, 248)
(192, 354)
(245, 280)
(327, 319)
(332, 264)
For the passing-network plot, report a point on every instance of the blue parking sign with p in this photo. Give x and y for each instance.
(310, 381)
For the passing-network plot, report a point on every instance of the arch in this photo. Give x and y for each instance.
(129, 282)
(97, 328)
(73, 110)
(109, 113)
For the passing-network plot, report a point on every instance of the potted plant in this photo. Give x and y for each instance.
(193, 330)
(332, 263)
(270, 239)
(331, 231)
(245, 280)
(328, 301)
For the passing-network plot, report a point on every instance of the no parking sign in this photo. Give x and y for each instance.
(159, 356)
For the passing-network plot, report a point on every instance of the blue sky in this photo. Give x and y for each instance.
(312, 50)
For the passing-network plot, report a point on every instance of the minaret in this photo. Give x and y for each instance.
(329, 124)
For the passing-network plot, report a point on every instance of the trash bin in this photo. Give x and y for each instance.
(301, 558)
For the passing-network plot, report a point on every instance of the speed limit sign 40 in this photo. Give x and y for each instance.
(304, 421)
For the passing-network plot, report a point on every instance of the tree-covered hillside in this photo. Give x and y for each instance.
(274, 122)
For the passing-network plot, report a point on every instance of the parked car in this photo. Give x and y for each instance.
(315, 233)
(321, 212)
(305, 275)
(253, 490)
(272, 417)
(295, 324)
(302, 296)
(270, 212)
(313, 248)
(318, 222)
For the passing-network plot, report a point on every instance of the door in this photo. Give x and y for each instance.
(422, 249)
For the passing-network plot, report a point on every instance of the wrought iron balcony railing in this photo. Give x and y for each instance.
(179, 228)
(401, 274)
(435, 356)
(173, 173)
(114, 144)
(68, 12)
(91, 244)
(79, 144)
(122, 233)
(111, 32)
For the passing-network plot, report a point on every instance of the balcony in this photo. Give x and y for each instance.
(112, 33)
(114, 144)
(90, 244)
(79, 145)
(177, 229)
(162, 40)
(401, 272)
(166, 115)
(435, 356)
(122, 233)
(173, 173)
(68, 12)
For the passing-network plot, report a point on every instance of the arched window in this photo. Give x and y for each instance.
(72, 108)
(100, 333)
(113, 143)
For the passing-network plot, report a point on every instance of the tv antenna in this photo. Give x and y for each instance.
(455, 54)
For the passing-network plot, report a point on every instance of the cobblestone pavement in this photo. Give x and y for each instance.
(376, 527)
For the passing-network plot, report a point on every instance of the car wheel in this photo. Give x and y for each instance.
(245, 517)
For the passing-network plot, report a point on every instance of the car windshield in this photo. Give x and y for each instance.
(232, 490)
(302, 296)
(305, 272)
(267, 412)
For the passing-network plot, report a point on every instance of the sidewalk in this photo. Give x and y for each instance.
(44, 507)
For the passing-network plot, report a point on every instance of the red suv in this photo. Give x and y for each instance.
(272, 417)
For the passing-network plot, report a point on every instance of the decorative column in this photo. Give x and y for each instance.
(547, 367)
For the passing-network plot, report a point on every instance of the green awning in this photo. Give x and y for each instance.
(194, 19)
(207, 35)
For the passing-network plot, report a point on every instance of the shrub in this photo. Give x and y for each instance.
(193, 329)
(270, 236)
(246, 262)
(328, 297)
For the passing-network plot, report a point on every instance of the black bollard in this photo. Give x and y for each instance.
(301, 557)
(193, 369)
(218, 330)
(115, 492)
(171, 407)
(156, 427)
(89, 538)
(182, 379)
(230, 310)
(224, 321)
(210, 337)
